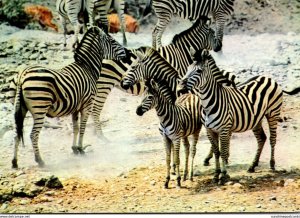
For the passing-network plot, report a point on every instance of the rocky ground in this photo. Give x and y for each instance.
(127, 174)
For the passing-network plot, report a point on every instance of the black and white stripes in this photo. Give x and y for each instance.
(192, 10)
(68, 91)
(228, 109)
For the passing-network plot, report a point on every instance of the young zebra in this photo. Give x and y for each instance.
(228, 109)
(154, 66)
(199, 35)
(192, 10)
(74, 11)
(177, 54)
(68, 91)
(178, 120)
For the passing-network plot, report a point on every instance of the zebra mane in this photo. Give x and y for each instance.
(199, 22)
(162, 89)
(91, 32)
(222, 77)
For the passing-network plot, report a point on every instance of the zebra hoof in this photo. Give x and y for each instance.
(41, 164)
(75, 150)
(251, 170)
(224, 178)
(206, 163)
(14, 164)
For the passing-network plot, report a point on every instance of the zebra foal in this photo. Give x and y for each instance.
(178, 120)
(192, 10)
(228, 109)
(68, 91)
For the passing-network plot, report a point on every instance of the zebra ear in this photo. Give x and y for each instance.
(153, 84)
(192, 52)
(204, 54)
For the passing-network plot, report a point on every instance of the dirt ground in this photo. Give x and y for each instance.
(127, 174)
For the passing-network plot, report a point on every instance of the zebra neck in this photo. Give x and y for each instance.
(162, 70)
(211, 95)
(166, 112)
(91, 61)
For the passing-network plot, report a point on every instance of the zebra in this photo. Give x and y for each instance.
(234, 109)
(199, 35)
(76, 12)
(68, 91)
(101, 8)
(192, 10)
(178, 120)
(154, 66)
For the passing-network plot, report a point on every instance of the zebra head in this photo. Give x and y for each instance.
(194, 76)
(96, 45)
(156, 95)
(139, 70)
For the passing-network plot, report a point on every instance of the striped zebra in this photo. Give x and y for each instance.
(178, 120)
(177, 54)
(154, 66)
(75, 11)
(68, 91)
(228, 109)
(199, 35)
(101, 8)
(192, 10)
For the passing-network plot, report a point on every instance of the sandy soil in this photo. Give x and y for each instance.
(127, 174)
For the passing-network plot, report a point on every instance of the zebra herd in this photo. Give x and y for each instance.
(181, 80)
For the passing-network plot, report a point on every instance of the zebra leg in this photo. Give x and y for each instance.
(103, 89)
(75, 132)
(159, 29)
(220, 21)
(38, 121)
(225, 143)
(208, 157)
(195, 137)
(73, 11)
(119, 6)
(19, 126)
(83, 120)
(173, 162)
(168, 145)
(261, 139)
(63, 21)
(214, 140)
(177, 161)
(273, 135)
(90, 10)
(186, 145)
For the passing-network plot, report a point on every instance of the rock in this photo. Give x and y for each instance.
(34, 56)
(24, 202)
(288, 182)
(242, 209)
(273, 198)
(258, 206)
(50, 193)
(4, 206)
(53, 182)
(197, 173)
(50, 182)
(46, 199)
(152, 183)
(237, 185)
(229, 183)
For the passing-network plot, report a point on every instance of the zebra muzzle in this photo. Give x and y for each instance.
(139, 111)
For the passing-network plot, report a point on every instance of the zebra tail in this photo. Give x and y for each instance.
(293, 92)
(148, 8)
(19, 119)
